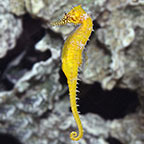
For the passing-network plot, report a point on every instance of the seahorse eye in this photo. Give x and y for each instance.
(73, 19)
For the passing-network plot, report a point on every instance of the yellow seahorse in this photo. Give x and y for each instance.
(72, 56)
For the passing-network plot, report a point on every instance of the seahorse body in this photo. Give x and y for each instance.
(72, 56)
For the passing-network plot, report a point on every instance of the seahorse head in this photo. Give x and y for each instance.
(75, 15)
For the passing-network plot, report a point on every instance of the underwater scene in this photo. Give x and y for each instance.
(71, 72)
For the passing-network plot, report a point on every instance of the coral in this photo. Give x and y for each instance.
(10, 29)
(17, 7)
(118, 35)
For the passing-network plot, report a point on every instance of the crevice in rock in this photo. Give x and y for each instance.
(23, 56)
(8, 139)
(113, 104)
(113, 140)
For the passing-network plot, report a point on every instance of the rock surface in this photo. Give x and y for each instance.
(10, 29)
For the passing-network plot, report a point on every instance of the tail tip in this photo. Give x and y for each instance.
(74, 136)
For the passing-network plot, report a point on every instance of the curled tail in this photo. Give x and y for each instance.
(74, 135)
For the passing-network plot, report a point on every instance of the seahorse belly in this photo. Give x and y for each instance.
(73, 47)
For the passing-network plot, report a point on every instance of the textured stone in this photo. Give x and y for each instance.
(10, 29)
(17, 7)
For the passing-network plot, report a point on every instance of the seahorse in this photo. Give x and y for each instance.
(72, 56)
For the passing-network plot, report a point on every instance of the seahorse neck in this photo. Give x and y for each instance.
(86, 25)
